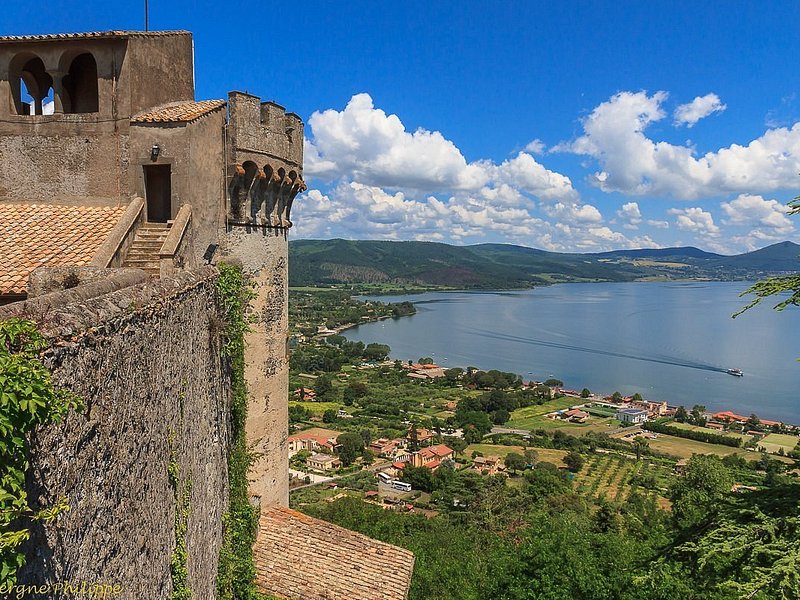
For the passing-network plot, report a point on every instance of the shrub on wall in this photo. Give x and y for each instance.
(28, 399)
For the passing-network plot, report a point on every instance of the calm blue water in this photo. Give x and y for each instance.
(667, 341)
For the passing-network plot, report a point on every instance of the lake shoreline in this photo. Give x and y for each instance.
(574, 382)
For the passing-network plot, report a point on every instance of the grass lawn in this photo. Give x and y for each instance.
(743, 437)
(532, 417)
(683, 448)
(316, 407)
(775, 441)
(545, 454)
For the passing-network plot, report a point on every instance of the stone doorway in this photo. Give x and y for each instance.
(158, 192)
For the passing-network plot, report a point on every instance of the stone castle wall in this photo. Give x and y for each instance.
(146, 360)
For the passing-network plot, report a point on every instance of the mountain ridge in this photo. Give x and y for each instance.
(506, 266)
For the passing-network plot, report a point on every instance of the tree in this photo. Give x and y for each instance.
(367, 456)
(775, 286)
(552, 382)
(698, 494)
(697, 417)
(427, 360)
(640, 446)
(323, 385)
(637, 397)
(681, 416)
(574, 461)
(500, 416)
(531, 456)
(420, 478)
(753, 422)
(329, 416)
(350, 446)
(585, 393)
(617, 397)
(514, 461)
(376, 352)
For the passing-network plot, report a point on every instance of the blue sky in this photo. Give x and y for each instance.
(574, 126)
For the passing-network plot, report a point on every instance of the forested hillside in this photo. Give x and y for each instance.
(498, 266)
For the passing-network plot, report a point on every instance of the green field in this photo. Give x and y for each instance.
(613, 477)
(545, 454)
(316, 407)
(775, 441)
(732, 434)
(533, 417)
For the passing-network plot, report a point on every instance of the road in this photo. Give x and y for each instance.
(322, 479)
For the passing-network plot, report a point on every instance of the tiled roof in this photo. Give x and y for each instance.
(304, 558)
(180, 112)
(89, 35)
(33, 235)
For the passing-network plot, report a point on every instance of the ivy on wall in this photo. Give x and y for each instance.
(180, 555)
(236, 573)
(28, 399)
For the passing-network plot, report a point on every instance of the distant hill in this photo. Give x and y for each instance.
(505, 266)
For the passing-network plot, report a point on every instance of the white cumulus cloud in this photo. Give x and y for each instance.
(699, 108)
(364, 143)
(634, 164)
(756, 211)
(695, 220)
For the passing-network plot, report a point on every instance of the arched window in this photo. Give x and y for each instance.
(80, 85)
(32, 86)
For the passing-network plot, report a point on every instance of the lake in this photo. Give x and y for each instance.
(668, 341)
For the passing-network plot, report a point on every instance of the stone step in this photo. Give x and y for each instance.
(147, 246)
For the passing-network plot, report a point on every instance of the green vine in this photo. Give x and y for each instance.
(28, 399)
(180, 555)
(236, 572)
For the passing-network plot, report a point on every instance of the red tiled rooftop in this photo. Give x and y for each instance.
(36, 235)
(178, 112)
(304, 558)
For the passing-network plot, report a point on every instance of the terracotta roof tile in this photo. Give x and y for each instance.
(89, 35)
(33, 235)
(180, 112)
(305, 558)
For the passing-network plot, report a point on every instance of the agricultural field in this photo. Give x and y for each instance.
(775, 441)
(316, 407)
(533, 417)
(545, 454)
(741, 436)
(684, 448)
(613, 477)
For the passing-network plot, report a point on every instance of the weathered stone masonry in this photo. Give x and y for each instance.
(146, 359)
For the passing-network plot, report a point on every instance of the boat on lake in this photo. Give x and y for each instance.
(735, 372)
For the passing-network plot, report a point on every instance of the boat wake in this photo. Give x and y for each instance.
(664, 360)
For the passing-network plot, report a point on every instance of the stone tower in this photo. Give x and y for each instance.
(265, 150)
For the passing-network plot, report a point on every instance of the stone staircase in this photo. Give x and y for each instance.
(143, 253)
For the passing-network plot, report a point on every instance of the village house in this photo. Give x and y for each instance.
(431, 457)
(575, 415)
(323, 462)
(653, 409)
(312, 440)
(424, 436)
(305, 394)
(385, 447)
(488, 465)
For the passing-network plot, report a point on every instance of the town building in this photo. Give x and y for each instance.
(631, 416)
(323, 462)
